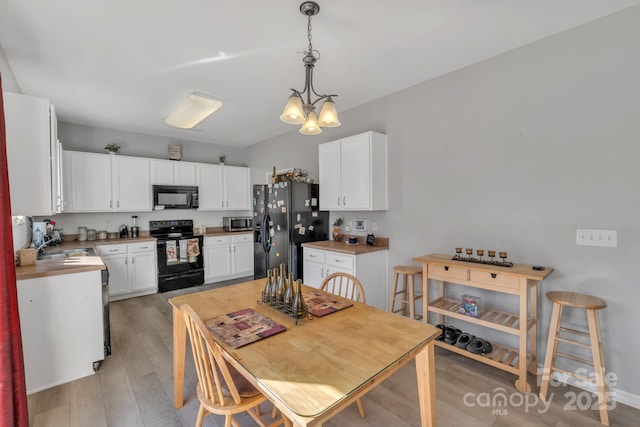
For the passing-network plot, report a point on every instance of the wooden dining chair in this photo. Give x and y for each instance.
(347, 286)
(222, 390)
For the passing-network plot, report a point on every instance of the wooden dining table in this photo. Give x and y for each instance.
(317, 367)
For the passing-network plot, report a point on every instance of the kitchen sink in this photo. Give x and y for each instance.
(64, 253)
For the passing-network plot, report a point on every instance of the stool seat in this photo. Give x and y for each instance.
(590, 305)
(406, 294)
(407, 269)
(574, 299)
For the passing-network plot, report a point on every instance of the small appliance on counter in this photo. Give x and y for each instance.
(124, 231)
(134, 227)
(237, 223)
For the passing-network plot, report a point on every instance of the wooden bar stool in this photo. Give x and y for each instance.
(591, 305)
(408, 295)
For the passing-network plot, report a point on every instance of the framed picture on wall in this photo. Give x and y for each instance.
(360, 224)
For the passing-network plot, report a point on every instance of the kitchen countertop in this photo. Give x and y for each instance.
(70, 265)
(381, 244)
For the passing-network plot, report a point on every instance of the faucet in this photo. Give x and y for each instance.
(46, 242)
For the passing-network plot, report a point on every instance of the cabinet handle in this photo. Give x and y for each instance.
(234, 249)
(338, 200)
(494, 275)
(446, 268)
(344, 200)
(338, 260)
(133, 260)
(113, 250)
(110, 204)
(126, 260)
(222, 204)
(322, 272)
(312, 256)
(118, 204)
(143, 247)
(227, 203)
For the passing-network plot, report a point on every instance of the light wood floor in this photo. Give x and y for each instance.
(134, 387)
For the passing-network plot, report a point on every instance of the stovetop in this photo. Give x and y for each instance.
(171, 228)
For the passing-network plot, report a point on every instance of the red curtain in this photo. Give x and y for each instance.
(13, 392)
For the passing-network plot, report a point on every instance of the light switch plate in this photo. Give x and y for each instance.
(604, 238)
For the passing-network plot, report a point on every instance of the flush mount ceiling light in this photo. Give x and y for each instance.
(194, 109)
(298, 111)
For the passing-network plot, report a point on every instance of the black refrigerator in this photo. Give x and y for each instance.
(285, 215)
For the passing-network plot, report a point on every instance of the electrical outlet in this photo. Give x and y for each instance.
(605, 238)
(374, 226)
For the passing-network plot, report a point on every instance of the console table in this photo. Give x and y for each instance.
(520, 280)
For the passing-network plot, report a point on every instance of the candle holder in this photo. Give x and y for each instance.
(480, 252)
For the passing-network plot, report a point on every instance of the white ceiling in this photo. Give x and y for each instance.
(126, 64)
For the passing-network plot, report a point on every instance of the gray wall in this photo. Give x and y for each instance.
(514, 154)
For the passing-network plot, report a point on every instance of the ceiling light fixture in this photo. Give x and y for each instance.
(299, 111)
(195, 108)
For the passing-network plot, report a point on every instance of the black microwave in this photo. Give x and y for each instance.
(175, 197)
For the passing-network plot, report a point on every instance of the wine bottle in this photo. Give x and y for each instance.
(282, 278)
(288, 296)
(273, 176)
(275, 279)
(267, 287)
(299, 305)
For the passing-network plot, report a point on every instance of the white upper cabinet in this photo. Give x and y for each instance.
(171, 172)
(32, 154)
(131, 188)
(223, 187)
(237, 188)
(353, 173)
(210, 191)
(103, 183)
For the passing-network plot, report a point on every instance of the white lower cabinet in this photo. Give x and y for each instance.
(132, 268)
(227, 257)
(370, 268)
(61, 326)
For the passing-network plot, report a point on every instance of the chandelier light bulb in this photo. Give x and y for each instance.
(310, 127)
(293, 113)
(328, 115)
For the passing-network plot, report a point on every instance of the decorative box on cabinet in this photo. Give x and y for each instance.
(353, 173)
(521, 280)
(132, 268)
(370, 268)
(228, 257)
(33, 155)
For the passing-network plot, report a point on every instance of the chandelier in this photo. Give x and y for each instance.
(303, 111)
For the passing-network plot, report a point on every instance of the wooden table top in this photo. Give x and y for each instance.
(316, 364)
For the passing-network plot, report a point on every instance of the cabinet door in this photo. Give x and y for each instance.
(161, 172)
(329, 176)
(90, 181)
(356, 172)
(313, 273)
(243, 258)
(142, 271)
(217, 262)
(118, 277)
(131, 187)
(28, 154)
(210, 187)
(184, 173)
(237, 188)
